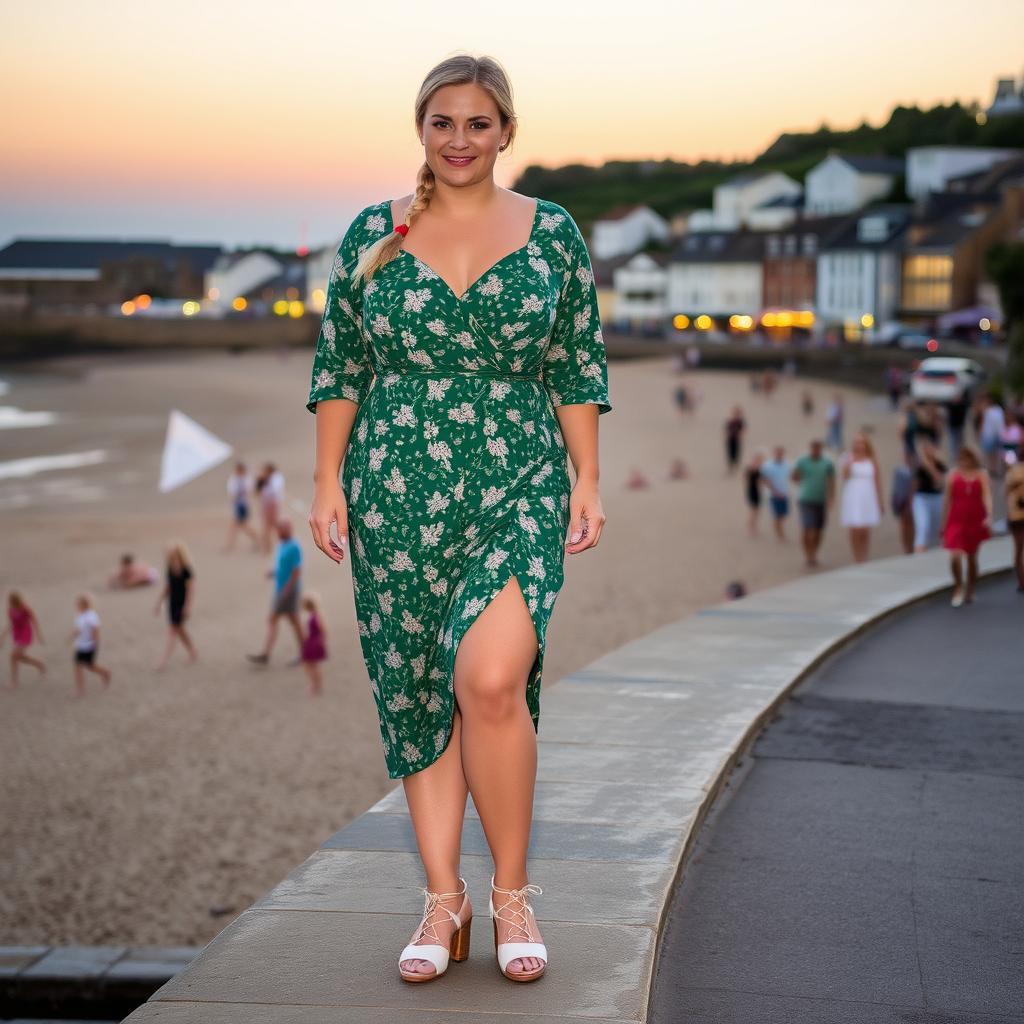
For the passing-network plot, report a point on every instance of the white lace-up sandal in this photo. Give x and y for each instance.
(518, 913)
(436, 952)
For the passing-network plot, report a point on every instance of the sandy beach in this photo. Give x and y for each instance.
(157, 811)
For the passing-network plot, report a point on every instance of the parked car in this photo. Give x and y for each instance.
(946, 379)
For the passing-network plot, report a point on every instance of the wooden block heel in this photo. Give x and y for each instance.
(460, 942)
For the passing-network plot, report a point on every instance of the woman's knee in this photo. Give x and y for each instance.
(491, 693)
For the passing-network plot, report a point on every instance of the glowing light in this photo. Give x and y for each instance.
(127, 308)
(142, 301)
(213, 293)
(985, 324)
(239, 303)
(190, 307)
(281, 307)
(805, 318)
(292, 293)
(704, 322)
(867, 320)
(680, 322)
(768, 320)
(741, 322)
(296, 308)
(933, 345)
(319, 297)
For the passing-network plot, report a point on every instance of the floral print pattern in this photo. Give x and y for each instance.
(456, 472)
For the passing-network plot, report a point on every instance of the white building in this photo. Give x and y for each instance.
(627, 229)
(842, 184)
(640, 287)
(236, 274)
(318, 271)
(735, 199)
(858, 271)
(718, 273)
(929, 168)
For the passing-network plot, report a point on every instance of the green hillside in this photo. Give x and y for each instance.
(671, 187)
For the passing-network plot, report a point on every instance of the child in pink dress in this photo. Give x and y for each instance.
(21, 624)
(966, 514)
(314, 648)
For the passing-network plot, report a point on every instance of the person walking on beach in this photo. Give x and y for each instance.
(86, 638)
(834, 416)
(1015, 513)
(816, 476)
(776, 474)
(270, 488)
(287, 576)
(314, 645)
(861, 503)
(178, 591)
(240, 489)
(966, 521)
(752, 489)
(23, 626)
(735, 425)
(929, 485)
(453, 619)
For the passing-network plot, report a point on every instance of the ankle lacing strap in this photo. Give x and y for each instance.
(431, 900)
(521, 896)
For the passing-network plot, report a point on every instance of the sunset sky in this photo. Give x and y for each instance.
(237, 123)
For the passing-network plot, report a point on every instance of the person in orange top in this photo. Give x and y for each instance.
(1014, 483)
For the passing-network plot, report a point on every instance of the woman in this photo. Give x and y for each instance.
(314, 643)
(929, 484)
(860, 504)
(270, 488)
(1014, 483)
(734, 427)
(178, 592)
(966, 519)
(752, 482)
(474, 311)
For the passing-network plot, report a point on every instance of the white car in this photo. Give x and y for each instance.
(946, 379)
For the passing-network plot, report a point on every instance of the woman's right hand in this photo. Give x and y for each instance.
(329, 506)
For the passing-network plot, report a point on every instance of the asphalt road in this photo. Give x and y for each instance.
(866, 864)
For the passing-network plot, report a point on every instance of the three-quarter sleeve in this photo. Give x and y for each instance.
(341, 365)
(575, 365)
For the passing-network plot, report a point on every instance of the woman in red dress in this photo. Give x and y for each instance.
(966, 519)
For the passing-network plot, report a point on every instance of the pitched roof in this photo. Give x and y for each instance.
(620, 212)
(720, 247)
(62, 254)
(873, 164)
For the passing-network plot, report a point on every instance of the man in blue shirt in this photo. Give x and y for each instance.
(287, 576)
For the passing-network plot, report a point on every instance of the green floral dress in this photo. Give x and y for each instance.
(456, 473)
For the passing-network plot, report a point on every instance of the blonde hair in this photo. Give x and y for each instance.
(85, 598)
(972, 453)
(461, 69)
(313, 599)
(178, 547)
(869, 448)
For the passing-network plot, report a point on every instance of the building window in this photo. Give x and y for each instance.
(927, 282)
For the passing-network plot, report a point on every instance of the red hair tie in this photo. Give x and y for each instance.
(402, 229)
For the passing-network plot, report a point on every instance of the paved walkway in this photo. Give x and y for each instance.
(867, 866)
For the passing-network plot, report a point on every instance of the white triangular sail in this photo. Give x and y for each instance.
(189, 451)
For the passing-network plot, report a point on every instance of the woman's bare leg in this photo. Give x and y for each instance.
(437, 805)
(499, 742)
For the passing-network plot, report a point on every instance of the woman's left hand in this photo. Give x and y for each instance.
(586, 517)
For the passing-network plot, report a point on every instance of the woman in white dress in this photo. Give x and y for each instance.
(861, 501)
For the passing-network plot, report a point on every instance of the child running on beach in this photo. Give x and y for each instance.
(314, 649)
(22, 622)
(86, 637)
